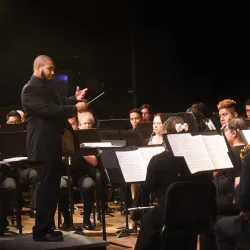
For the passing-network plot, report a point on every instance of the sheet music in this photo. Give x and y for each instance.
(132, 166)
(177, 141)
(218, 151)
(13, 159)
(96, 144)
(196, 155)
(246, 133)
(148, 152)
(201, 152)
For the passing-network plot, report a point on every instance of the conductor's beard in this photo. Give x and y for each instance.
(46, 76)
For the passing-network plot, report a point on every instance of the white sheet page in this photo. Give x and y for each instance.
(132, 165)
(148, 152)
(246, 133)
(177, 142)
(96, 144)
(218, 151)
(196, 155)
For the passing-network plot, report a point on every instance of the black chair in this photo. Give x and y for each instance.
(242, 246)
(190, 209)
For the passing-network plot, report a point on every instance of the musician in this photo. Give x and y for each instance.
(161, 172)
(147, 112)
(236, 228)
(46, 113)
(13, 117)
(156, 137)
(247, 109)
(27, 175)
(225, 180)
(227, 110)
(7, 194)
(85, 173)
(135, 116)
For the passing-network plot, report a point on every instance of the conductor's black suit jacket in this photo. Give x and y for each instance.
(46, 115)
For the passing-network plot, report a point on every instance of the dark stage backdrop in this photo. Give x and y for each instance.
(169, 54)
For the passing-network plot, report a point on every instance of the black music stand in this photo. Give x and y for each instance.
(13, 127)
(88, 136)
(70, 148)
(145, 125)
(78, 230)
(109, 161)
(13, 144)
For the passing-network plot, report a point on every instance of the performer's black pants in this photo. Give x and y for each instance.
(47, 194)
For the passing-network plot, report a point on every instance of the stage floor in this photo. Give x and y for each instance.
(71, 242)
(112, 222)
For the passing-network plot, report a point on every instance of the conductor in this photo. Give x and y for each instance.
(46, 113)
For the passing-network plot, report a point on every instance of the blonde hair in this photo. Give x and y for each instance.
(87, 115)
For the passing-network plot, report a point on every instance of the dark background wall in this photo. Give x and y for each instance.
(173, 53)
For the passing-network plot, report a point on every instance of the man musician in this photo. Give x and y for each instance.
(46, 114)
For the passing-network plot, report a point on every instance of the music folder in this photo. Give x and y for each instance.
(207, 152)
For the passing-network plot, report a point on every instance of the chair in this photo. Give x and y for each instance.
(190, 209)
(242, 246)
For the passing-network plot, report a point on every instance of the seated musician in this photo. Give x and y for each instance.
(85, 175)
(225, 182)
(156, 137)
(7, 194)
(237, 209)
(227, 111)
(147, 112)
(27, 175)
(161, 172)
(135, 116)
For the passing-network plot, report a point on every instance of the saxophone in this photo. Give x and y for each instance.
(244, 151)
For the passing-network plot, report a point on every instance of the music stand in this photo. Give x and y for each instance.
(13, 127)
(13, 144)
(70, 148)
(115, 124)
(145, 125)
(109, 161)
(91, 135)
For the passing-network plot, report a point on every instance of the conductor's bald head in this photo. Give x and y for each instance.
(44, 67)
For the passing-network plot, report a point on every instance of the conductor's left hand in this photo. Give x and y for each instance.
(80, 94)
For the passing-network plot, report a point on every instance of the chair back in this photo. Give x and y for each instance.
(190, 206)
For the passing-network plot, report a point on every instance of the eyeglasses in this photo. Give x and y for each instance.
(13, 122)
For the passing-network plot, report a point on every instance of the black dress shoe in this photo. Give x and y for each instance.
(51, 236)
(32, 213)
(88, 226)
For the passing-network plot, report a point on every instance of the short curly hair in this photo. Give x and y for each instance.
(227, 103)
